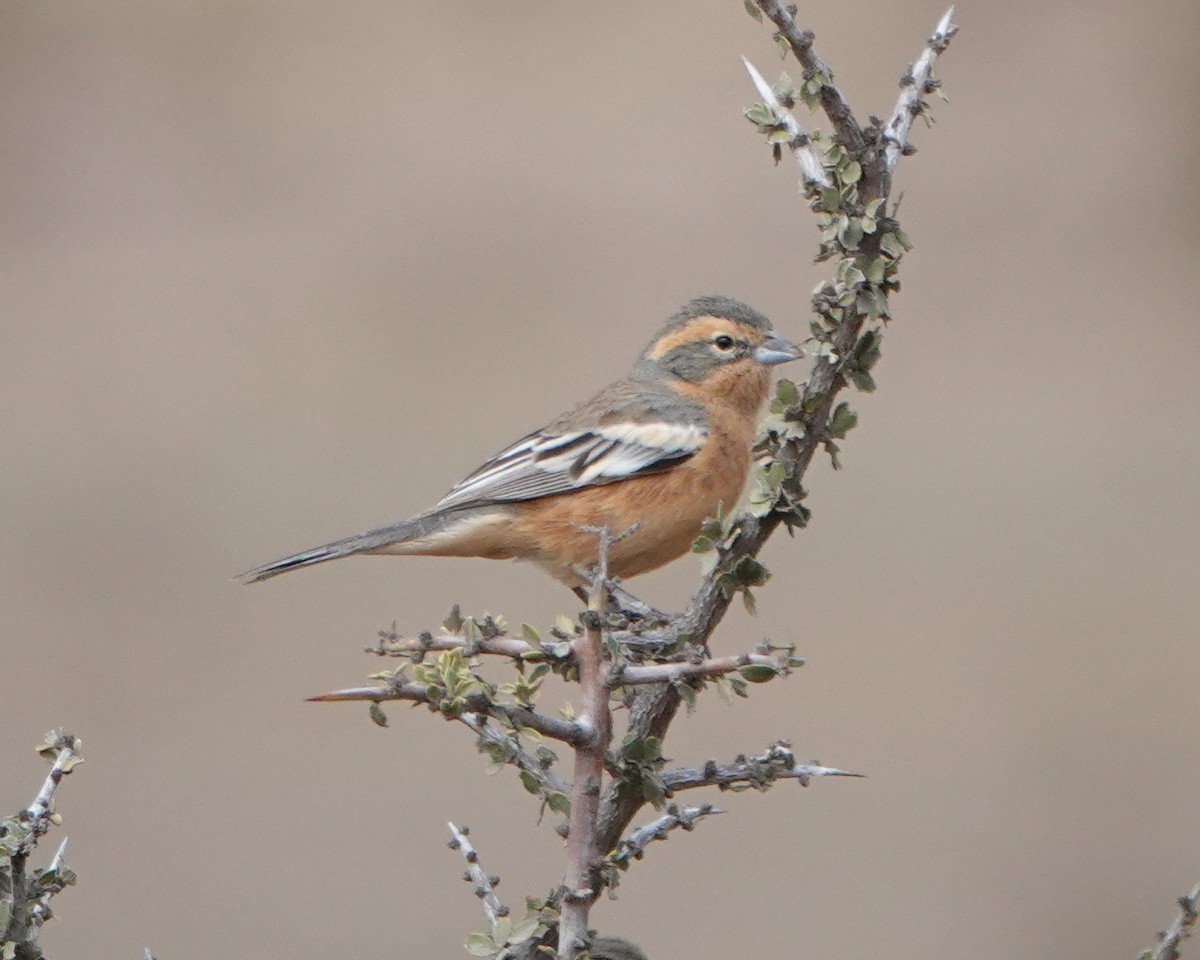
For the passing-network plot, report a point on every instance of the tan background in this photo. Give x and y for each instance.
(273, 273)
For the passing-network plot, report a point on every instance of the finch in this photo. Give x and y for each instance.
(654, 455)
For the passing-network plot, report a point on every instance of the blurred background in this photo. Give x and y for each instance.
(276, 273)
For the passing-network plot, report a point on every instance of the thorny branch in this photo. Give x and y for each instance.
(514, 716)
(512, 752)
(414, 648)
(914, 87)
(633, 674)
(634, 846)
(1180, 929)
(832, 101)
(65, 748)
(653, 707)
(758, 773)
(41, 910)
(25, 894)
(807, 156)
(485, 886)
(581, 884)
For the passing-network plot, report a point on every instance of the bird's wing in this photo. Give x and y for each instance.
(555, 461)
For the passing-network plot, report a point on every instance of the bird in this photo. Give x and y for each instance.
(648, 459)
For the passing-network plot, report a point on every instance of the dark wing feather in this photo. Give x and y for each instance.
(547, 463)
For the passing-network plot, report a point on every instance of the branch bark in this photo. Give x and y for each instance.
(832, 101)
(580, 882)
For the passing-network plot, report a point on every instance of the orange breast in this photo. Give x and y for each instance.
(668, 509)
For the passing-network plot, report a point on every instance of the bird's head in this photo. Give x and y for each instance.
(719, 348)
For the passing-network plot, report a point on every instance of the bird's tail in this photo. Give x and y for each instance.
(370, 542)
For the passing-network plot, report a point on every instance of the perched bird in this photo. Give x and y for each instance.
(659, 452)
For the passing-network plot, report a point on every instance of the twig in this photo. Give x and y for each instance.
(580, 880)
(29, 893)
(41, 910)
(485, 886)
(634, 846)
(514, 754)
(807, 156)
(915, 86)
(832, 102)
(757, 773)
(632, 674)
(1180, 929)
(391, 645)
(514, 716)
(67, 747)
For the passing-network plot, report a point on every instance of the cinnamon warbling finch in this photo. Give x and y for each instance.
(659, 451)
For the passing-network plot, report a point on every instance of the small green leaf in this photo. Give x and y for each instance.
(480, 945)
(653, 789)
(750, 572)
(843, 421)
(524, 929)
(378, 717)
(752, 9)
(851, 172)
(530, 782)
(862, 380)
(850, 233)
(761, 116)
(783, 87)
(850, 275)
(559, 803)
(876, 270)
(454, 621)
(757, 672)
(787, 393)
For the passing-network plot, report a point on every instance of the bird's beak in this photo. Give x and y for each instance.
(775, 349)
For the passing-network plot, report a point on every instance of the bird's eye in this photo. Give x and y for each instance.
(723, 342)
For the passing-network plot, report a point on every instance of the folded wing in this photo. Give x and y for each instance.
(547, 463)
